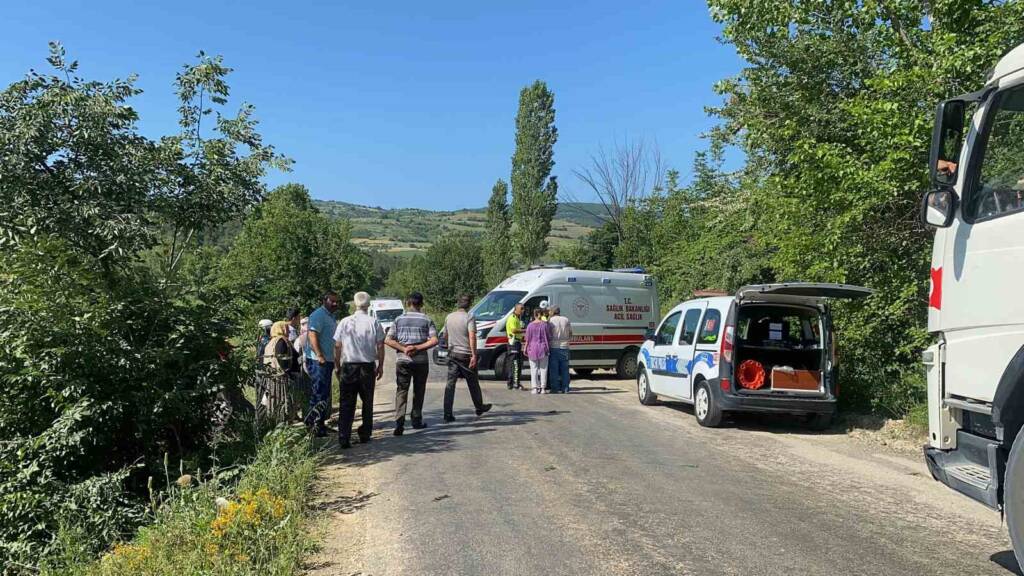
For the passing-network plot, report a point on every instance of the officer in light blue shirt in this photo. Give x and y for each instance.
(320, 362)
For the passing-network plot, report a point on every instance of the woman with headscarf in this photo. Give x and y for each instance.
(278, 357)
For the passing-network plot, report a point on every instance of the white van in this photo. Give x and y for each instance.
(769, 348)
(385, 310)
(975, 310)
(610, 312)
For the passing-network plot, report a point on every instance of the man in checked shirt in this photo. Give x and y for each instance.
(412, 334)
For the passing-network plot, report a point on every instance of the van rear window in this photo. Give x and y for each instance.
(779, 326)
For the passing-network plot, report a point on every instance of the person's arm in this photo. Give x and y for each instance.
(390, 342)
(380, 349)
(472, 344)
(314, 343)
(430, 343)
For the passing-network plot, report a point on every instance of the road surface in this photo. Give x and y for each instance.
(594, 483)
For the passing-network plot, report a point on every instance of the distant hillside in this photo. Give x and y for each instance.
(411, 229)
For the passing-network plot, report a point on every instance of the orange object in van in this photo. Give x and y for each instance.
(809, 380)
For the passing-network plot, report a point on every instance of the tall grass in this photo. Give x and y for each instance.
(220, 527)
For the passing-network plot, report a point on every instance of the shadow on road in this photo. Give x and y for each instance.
(436, 438)
(771, 423)
(1007, 560)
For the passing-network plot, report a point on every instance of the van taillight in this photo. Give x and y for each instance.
(727, 338)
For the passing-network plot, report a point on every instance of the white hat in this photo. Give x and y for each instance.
(266, 323)
(543, 304)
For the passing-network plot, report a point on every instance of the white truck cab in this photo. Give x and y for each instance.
(385, 310)
(976, 312)
(769, 348)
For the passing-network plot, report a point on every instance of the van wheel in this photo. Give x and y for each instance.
(501, 368)
(627, 367)
(1013, 496)
(705, 408)
(643, 389)
(583, 372)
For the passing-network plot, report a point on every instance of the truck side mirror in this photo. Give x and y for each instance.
(939, 207)
(947, 139)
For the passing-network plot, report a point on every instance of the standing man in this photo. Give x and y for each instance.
(461, 330)
(515, 331)
(320, 362)
(412, 334)
(558, 363)
(359, 347)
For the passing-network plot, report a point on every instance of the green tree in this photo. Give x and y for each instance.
(497, 256)
(453, 266)
(288, 253)
(109, 365)
(833, 113)
(534, 190)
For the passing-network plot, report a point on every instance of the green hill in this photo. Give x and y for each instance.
(411, 229)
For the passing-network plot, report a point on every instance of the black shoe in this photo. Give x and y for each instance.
(320, 432)
(364, 439)
(449, 419)
(344, 444)
(399, 430)
(510, 386)
(419, 425)
(483, 409)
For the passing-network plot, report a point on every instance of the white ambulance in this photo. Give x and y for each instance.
(385, 310)
(975, 310)
(610, 312)
(769, 348)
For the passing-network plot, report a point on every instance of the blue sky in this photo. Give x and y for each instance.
(405, 103)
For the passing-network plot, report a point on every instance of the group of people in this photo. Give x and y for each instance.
(545, 342)
(354, 349)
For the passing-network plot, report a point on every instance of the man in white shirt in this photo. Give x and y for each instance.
(359, 349)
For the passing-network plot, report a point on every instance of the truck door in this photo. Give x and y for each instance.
(978, 289)
(680, 383)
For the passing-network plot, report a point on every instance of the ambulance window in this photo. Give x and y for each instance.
(667, 330)
(998, 187)
(690, 322)
(709, 330)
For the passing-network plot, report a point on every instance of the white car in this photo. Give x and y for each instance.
(385, 310)
(769, 348)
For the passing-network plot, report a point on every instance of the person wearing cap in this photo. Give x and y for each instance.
(320, 362)
(359, 347)
(461, 330)
(264, 339)
(558, 358)
(515, 331)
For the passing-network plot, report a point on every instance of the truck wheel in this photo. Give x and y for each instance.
(643, 389)
(501, 368)
(583, 372)
(1013, 496)
(705, 408)
(627, 367)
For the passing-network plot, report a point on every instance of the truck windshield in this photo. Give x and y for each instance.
(999, 184)
(388, 315)
(496, 304)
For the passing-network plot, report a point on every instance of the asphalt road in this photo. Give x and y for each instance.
(594, 483)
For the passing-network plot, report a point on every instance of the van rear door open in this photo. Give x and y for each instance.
(800, 292)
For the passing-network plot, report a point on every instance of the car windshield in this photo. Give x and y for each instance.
(389, 315)
(496, 304)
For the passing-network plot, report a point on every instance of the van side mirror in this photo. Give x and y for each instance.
(947, 139)
(939, 207)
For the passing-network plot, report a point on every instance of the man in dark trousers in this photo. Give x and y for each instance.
(359, 347)
(412, 334)
(460, 328)
(320, 362)
(515, 331)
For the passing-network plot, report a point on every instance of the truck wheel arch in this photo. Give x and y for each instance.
(1008, 401)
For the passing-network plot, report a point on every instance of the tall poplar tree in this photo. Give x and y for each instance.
(534, 190)
(496, 254)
